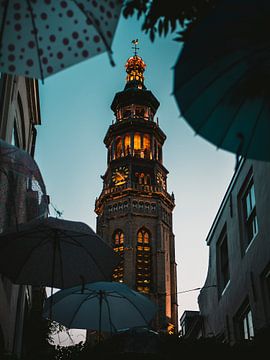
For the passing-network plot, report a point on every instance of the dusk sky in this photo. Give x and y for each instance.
(75, 113)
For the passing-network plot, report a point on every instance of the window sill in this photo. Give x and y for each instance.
(251, 242)
(226, 287)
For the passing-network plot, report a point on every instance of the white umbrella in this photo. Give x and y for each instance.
(39, 38)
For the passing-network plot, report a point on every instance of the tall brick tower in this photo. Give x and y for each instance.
(134, 209)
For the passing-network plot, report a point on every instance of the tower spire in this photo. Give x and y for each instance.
(135, 67)
(135, 42)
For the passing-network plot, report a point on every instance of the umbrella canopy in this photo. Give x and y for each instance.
(16, 160)
(22, 191)
(39, 38)
(102, 306)
(222, 78)
(55, 252)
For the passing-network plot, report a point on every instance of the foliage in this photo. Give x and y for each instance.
(170, 346)
(37, 337)
(164, 16)
(73, 352)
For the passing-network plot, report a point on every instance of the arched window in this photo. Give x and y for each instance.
(118, 246)
(147, 179)
(118, 147)
(143, 261)
(146, 146)
(127, 144)
(137, 141)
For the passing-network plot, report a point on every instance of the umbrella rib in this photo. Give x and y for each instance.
(231, 122)
(218, 76)
(254, 127)
(36, 39)
(139, 311)
(109, 312)
(93, 295)
(90, 17)
(213, 62)
(29, 255)
(89, 253)
(3, 23)
(218, 103)
(58, 245)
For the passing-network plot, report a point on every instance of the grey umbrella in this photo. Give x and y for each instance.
(56, 253)
(102, 306)
(22, 191)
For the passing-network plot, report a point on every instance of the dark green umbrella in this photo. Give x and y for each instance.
(222, 78)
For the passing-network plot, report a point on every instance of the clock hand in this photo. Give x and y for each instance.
(121, 176)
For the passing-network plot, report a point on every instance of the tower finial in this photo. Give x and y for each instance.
(135, 42)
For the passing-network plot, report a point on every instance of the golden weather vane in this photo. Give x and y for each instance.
(135, 42)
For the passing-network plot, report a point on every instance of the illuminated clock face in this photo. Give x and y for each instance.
(161, 180)
(120, 175)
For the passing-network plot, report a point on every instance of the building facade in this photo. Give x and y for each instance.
(134, 209)
(19, 116)
(234, 302)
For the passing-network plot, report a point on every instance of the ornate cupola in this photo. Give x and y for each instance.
(135, 67)
(134, 209)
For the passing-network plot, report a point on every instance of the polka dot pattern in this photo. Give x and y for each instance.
(62, 35)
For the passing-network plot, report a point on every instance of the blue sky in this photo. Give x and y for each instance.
(75, 112)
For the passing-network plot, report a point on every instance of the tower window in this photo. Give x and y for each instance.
(127, 144)
(137, 141)
(146, 146)
(118, 246)
(143, 261)
(118, 146)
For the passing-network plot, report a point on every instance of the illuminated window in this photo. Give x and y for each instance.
(143, 261)
(118, 147)
(146, 146)
(146, 142)
(118, 246)
(127, 144)
(137, 142)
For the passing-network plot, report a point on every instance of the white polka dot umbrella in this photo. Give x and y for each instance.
(41, 37)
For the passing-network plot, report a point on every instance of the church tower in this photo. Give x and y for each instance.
(134, 209)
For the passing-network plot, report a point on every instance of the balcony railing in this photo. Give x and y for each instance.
(134, 186)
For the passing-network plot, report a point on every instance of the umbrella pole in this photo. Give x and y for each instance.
(100, 310)
(53, 271)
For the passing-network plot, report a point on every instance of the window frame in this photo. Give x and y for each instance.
(223, 262)
(247, 213)
(244, 324)
(118, 272)
(143, 260)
